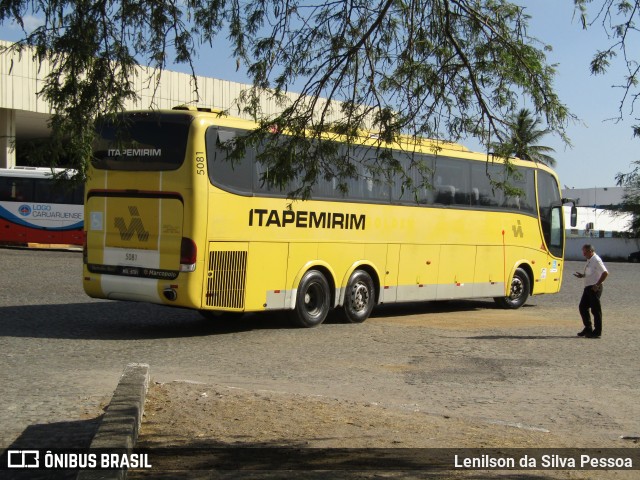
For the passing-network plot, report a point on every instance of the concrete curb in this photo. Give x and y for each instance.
(121, 422)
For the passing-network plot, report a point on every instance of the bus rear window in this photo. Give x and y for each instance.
(141, 142)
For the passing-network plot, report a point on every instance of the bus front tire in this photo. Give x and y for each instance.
(313, 300)
(519, 291)
(359, 297)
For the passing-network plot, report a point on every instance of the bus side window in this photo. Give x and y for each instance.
(418, 188)
(427, 197)
(21, 190)
(446, 194)
(462, 197)
(481, 176)
(260, 178)
(452, 182)
(5, 188)
(512, 203)
(236, 174)
(475, 196)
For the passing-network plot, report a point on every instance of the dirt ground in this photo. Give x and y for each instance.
(233, 416)
(197, 416)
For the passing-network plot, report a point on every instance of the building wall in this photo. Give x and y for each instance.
(595, 197)
(21, 77)
(597, 221)
(597, 225)
(594, 211)
(608, 248)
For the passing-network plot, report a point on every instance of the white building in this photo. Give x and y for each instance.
(598, 224)
(595, 214)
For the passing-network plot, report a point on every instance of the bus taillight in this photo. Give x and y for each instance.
(188, 255)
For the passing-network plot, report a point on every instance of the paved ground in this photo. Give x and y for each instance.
(469, 362)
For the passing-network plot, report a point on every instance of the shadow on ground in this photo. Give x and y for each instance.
(72, 436)
(106, 320)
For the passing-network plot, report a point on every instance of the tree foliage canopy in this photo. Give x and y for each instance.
(620, 19)
(631, 198)
(444, 69)
(522, 137)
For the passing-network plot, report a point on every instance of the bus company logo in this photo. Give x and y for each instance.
(517, 230)
(135, 226)
(134, 152)
(306, 219)
(24, 210)
(23, 459)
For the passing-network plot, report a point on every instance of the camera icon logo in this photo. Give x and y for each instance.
(23, 459)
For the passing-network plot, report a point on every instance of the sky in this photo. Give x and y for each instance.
(601, 147)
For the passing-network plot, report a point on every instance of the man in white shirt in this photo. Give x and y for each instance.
(594, 275)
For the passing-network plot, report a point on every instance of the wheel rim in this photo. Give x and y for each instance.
(517, 288)
(359, 297)
(313, 300)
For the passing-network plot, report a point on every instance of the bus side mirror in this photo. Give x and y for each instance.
(574, 216)
(574, 210)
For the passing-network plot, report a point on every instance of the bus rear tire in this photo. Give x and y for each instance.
(520, 288)
(313, 300)
(359, 297)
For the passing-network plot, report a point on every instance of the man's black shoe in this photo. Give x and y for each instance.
(585, 333)
(593, 335)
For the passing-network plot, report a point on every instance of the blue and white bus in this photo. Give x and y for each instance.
(37, 207)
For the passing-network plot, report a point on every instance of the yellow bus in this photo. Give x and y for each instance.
(170, 220)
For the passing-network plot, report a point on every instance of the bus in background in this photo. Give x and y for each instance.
(171, 221)
(37, 208)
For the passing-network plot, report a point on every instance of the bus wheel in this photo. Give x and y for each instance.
(520, 288)
(313, 300)
(359, 297)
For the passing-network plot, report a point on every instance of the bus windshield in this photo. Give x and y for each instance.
(141, 142)
(551, 220)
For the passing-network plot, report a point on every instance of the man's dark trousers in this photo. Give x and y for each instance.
(591, 300)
